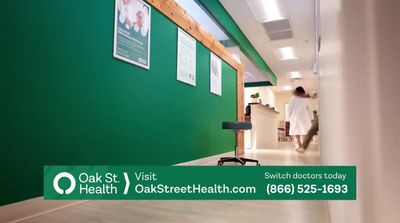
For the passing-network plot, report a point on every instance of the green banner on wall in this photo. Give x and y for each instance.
(200, 183)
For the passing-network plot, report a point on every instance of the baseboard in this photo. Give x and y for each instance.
(23, 210)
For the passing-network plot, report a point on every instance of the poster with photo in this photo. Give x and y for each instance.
(186, 61)
(132, 32)
(215, 75)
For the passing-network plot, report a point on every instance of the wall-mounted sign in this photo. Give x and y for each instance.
(215, 75)
(186, 63)
(132, 32)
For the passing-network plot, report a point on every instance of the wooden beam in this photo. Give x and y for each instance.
(181, 18)
(240, 106)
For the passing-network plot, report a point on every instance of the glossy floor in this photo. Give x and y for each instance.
(204, 211)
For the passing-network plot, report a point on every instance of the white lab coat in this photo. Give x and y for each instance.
(300, 115)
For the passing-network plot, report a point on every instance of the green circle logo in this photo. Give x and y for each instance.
(58, 177)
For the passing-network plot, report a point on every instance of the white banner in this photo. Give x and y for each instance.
(215, 75)
(186, 63)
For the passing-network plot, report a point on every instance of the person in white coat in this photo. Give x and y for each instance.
(300, 116)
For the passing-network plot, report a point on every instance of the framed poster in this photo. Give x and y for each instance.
(186, 61)
(132, 32)
(215, 74)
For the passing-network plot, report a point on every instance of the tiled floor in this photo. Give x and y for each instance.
(204, 211)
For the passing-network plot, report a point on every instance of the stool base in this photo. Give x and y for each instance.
(237, 159)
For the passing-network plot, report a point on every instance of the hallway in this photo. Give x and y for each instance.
(94, 96)
(204, 211)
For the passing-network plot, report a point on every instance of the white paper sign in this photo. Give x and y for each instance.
(186, 67)
(215, 75)
(132, 32)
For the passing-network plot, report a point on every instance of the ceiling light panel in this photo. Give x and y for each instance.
(268, 10)
(285, 53)
(295, 75)
(287, 88)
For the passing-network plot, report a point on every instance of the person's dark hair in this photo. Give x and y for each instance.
(299, 91)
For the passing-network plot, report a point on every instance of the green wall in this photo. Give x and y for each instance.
(65, 100)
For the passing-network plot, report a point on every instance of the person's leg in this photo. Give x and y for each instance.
(296, 139)
(313, 131)
(302, 140)
(300, 148)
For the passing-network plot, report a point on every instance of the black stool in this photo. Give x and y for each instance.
(237, 127)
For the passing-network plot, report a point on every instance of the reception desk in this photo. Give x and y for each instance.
(264, 134)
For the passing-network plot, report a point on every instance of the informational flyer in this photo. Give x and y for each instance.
(132, 32)
(215, 75)
(186, 62)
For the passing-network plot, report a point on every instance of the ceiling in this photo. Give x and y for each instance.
(301, 17)
(252, 72)
(198, 14)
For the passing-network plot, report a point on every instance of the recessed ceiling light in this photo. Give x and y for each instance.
(285, 53)
(295, 75)
(287, 88)
(265, 10)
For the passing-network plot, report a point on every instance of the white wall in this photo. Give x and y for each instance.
(282, 99)
(267, 95)
(359, 104)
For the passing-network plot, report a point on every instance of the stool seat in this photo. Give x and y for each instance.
(237, 125)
